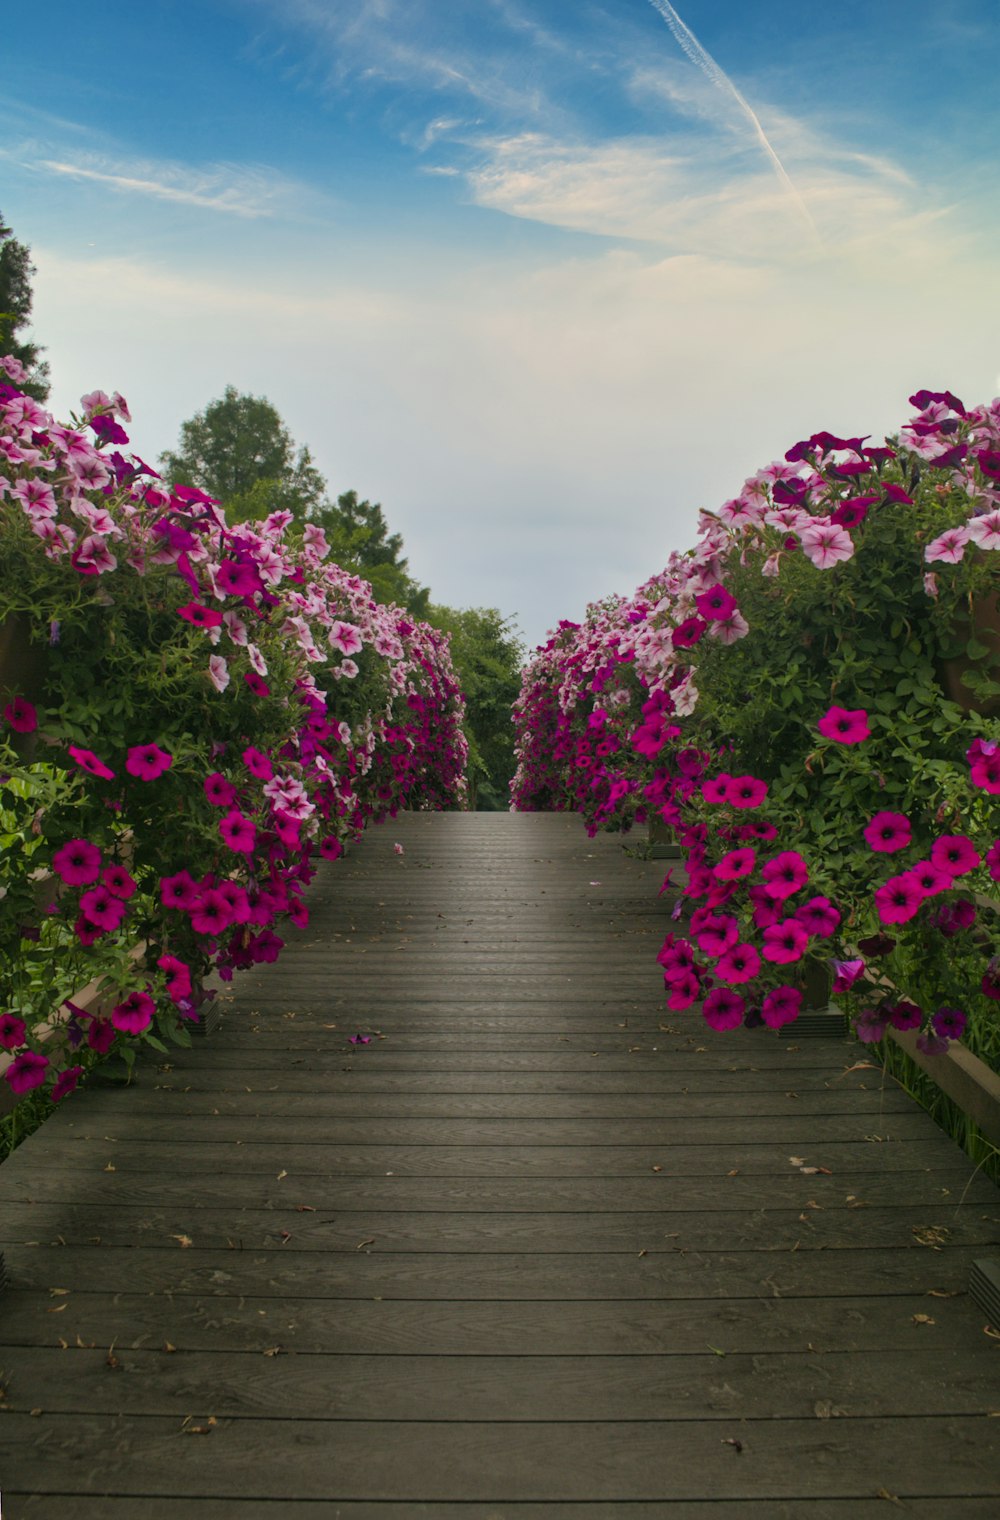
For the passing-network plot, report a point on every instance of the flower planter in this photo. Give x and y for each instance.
(983, 625)
(662, 841)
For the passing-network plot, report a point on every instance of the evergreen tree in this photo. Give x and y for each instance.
(359, 538)
(487, 653)
(16, 270)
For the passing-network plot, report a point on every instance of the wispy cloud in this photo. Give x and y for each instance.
(224, 188)
(721, 80)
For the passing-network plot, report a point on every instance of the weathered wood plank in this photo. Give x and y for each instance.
(76, 1507)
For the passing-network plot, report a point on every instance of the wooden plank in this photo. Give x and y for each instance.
(108, 1507)
(444, 1462)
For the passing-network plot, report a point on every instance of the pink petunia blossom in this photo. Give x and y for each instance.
(846, 973)
(847, 726)
(929, 877)
(258, 764)
(785, 875)
(219, 791)
(717, 933)
(331, 848)
(210, 914)
(993, 860)
(78, 862)
(238, 833)
(888, 832)
(180, 891)
(26, 1071)
(147, 762)
(740, 963)
(826, 545)
(898, 899)
(178, 977)
(101, 1036)
(985, 530)
(256, 685)
(715, 605)
(346, 637)
(218, 672)
(101, 909)
(786, 941)
(134, 1013)
(118, 881)
(949, 546)
(65, 1083)
(21, 716)
(12, 1031)
(235, 579)
(955, 854)
(199, 616)
(723, 1009)
(88, 761)
(904, 1015)
(818, 916)
(735, 865)
(745, 791)
(781, 1006)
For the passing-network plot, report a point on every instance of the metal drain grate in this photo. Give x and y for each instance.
(984, 1287)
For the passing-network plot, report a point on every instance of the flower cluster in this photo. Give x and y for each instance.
(808, 691)
(193, 714)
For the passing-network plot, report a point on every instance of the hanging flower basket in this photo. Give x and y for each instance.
(983, 626)
(22, 662)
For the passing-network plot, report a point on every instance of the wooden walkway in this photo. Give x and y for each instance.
(536, 1251)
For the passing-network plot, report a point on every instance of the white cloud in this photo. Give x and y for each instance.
(236, 190)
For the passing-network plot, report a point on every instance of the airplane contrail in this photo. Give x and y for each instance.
(721, 80)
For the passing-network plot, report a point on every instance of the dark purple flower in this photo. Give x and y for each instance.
(949, 1023)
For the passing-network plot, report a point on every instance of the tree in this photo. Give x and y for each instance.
(359, 538)
(239, 451)
(16, 270)
(487, 653)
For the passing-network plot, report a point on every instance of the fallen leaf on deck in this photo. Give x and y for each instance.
(274, 1350)
(280, 1175)
(362, 1243)
(923, 1319)
(307, 1208)
(943, 1293)
(168, 1346)
(183, 1241)
(732, 1441)
(58, 1292)
(932, 1235)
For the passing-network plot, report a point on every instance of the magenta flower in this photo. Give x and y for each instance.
(360, 1039)
(689, 633)
(930, 878)
(786, 941)
(847, 726)
(234, 579)
(239, 833)
(65, 1083)
(846, 973)
(258, 764)
(219, 791)
(102, 910)
(930, 1044)
(785, 874)
(948, 546)
(715, 606)
(78, 863)
(717, 934)
(26, 1071)
(736, 864)
(101, 1036)
(134, 1014)
(781, 1006)
(211, 913)
(88, 761)
(955, 854)
(331, 848)
(741, 963)
(265, 948)
(199, 616)
(716, 788)
(723, 1009)
(237, 899)
(21, 716)
(904, 1015)
(180, 891)
(178, 977)
(993, 860)
(870, 1025)
(745, 791)
(818, 916)
(148, 761)
(12, 1031)
(985, 773)
(86, 932)
(888, 832)
(898, 899)
(118, 881)
(949, 1023)
(259, 687)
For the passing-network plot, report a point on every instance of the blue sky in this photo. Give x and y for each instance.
(542, 277)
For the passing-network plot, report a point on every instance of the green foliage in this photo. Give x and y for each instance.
(240, 452)
(487, 653)
(16, 270)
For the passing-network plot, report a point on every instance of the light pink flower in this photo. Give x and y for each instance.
(948, 546)
(826, 545)
(218, 672)
(985, 530)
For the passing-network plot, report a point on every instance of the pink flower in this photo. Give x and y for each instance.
(257, 686)
(741, 963)
(786, 941)
(178, 977)
(826, 544)
(955, 854)
(218, 672)
(148, 761)
(781, 1006)
(715, 789)
(12, 1031)
(211, 914)
(715, 605)
(898, 899)
(735, 864)
(258, 764)
(88, 761)
(904, 1015)
(948, 546)
(949, 1023)
(888, 832)
(235, 579)
(26, 1071)
(818, 916)
(78, 862)
(985, 531)
(929, 877)
(689, 632)
(745, 791)
(118, 881)
(199, 616)
(101, 909)
(237, 901)
(717, 933)
(993, 860)
(65, 1083)
(846, 973)
(134, 1014)
(101, 1036)
(331, 848)
(219, 791)
(239, 833)
(346, 637)
(847, 726)
(784, 875)
(21, 716)
(723, 1009)
(180, 891)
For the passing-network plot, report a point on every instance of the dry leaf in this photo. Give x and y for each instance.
(993, 1334)
(797, 1160)
(854, 1202)
(362, 1243)
(732, 1441)
(273, 1350)
(932, 1235)
(169, 1346)
(111, 1167)
(883, 1493)
(734, 1173)
(57, 1309)
(111, 1360)
(307, 1208)
(34, 1411)
(58, 1292)
(943, 1293)
(285, 1236)
(280, 1175)
(183, 1241)
(923, 1319)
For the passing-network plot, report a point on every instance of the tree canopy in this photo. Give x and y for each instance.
(487, 653)
(16, 270)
